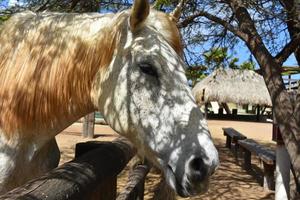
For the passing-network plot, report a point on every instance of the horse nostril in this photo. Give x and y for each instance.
(198, 170)
(196, 164)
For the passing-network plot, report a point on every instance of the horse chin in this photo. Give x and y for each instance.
(184, 189)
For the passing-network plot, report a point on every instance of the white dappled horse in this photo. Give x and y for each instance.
(56, 68)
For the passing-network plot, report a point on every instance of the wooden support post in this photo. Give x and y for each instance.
(220, 111)
(269, 180)
(88, 125)
(206, 110)
(226, 107)
(135, 186)
(234, 112)
(236, 148)
(247, 160)
(258, 113)
(228, 142)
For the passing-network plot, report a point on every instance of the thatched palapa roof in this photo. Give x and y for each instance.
(232, 86)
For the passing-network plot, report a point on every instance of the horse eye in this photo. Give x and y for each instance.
(148, 69)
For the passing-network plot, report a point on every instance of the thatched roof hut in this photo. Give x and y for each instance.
(232, 86)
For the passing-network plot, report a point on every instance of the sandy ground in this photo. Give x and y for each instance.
(229, 182)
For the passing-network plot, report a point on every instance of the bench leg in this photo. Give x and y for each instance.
(269, 178)
(247, 160)
(228, 142)
(236, 148)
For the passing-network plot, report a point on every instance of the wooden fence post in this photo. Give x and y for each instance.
(88, 125)
(135, 186)
(85, 177)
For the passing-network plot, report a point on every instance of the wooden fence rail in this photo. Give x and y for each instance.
(91, 175)
(135, 186)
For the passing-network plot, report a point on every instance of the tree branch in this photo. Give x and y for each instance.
(288, 50)
(43, 7)
(225, 24)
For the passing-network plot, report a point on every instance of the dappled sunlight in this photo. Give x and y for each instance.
(157, 113)
(64, 69)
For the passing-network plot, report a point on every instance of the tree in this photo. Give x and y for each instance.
(292, 12)
(271, 32)
(269, 29)
(214, 59)
(219, 58)
(196, 73)
(244, 20)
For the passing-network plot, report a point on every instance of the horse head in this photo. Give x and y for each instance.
(143, 95)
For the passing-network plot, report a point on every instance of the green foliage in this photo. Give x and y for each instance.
(196, 73)
(232, 63)
(3, 18)
(249, 65)
(214, 59)
(159, 3)
(219, 58)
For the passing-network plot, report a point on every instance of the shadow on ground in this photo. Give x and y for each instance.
(230, 182)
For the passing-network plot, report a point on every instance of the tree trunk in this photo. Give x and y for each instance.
(286, 112)
(286, 115)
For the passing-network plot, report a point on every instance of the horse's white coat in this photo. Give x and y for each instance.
(156, 112)
(153, 112)
(21, 160)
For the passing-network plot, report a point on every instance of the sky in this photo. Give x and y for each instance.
(243, 55)
(7, 3)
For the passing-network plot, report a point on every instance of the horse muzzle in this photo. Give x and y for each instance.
(192, 177)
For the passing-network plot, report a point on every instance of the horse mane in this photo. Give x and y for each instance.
(48, 62)
(170, 31)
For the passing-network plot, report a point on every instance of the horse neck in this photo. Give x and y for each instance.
(50, 93)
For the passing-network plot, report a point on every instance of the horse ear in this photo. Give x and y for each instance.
(139, 13)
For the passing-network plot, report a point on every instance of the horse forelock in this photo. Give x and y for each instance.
(47, 63)
(168, 28)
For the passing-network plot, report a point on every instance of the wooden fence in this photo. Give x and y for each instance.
(91, 175)
(88, 124)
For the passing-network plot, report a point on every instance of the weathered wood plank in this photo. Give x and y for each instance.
(80, 178)
(266, 155)
(232, 137)
(269, 176)
(233, 134)
(134, 189)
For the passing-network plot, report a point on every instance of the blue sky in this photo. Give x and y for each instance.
(243, 54)
(6, 3)
(3, 4)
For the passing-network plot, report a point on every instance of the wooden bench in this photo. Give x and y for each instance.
(267, 156)
(232, 137)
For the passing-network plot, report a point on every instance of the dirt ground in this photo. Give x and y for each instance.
(229, 182)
